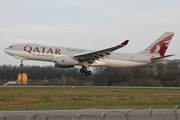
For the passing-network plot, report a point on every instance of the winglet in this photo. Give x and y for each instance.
(125, 42)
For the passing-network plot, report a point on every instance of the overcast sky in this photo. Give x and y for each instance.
(89, 24)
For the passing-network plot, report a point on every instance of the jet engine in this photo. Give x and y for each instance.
(65, 62)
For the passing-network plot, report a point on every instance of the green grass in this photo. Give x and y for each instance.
(79, 98)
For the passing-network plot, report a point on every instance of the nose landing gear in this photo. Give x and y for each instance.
(85, 71)
(21, 65)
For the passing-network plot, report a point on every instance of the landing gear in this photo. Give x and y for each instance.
(85, 71)
(88, 73)
(21, 65)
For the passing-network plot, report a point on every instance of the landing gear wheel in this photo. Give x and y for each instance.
(21, 65)
(82, 70)
(89, 72)
(86, 73)
(85, 69)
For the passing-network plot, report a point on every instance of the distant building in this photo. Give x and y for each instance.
(22, 80)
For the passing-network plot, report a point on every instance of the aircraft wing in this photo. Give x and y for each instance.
(96, 55)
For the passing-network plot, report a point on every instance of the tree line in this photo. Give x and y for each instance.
(155, 74)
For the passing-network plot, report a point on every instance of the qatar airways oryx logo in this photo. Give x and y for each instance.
(30, 49)
(161, 46)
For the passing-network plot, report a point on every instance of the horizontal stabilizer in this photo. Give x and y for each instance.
(160, 58)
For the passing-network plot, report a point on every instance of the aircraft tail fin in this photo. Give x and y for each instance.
(159, 47)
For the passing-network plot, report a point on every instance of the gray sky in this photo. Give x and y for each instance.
(89, 24)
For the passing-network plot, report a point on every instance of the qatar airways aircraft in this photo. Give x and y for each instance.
(64, 57)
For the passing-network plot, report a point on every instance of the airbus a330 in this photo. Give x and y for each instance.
(64, 57)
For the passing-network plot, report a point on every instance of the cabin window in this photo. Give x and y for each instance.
(11, 46)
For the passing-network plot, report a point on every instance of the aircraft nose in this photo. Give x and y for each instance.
(5, 50)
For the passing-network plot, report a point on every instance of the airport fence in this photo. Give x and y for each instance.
(135, 114)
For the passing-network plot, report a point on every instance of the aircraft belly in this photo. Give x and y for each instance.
(120, 63)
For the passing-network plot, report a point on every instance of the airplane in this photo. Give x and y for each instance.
(65, 57)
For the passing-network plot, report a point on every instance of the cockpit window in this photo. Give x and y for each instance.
(11, 46)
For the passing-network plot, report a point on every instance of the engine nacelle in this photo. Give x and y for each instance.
(63, 66)
(65, 61)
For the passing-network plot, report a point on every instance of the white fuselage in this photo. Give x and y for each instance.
(50, 53)
(65, 57)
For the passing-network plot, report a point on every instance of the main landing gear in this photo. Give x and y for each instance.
(85, 71)
(21, 65)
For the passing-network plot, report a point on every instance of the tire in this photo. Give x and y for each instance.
(21, 65)
(86, 73)
(90, 72)
(82, 70)
(85, 69)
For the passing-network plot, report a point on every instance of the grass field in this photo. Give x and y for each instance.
(79, 98)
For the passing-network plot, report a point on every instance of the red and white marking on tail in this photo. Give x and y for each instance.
(161, 46)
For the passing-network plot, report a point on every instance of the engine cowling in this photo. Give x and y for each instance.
(63, 66)
(65, 61)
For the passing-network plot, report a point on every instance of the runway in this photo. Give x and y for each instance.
(92, 86)
(161, 114)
